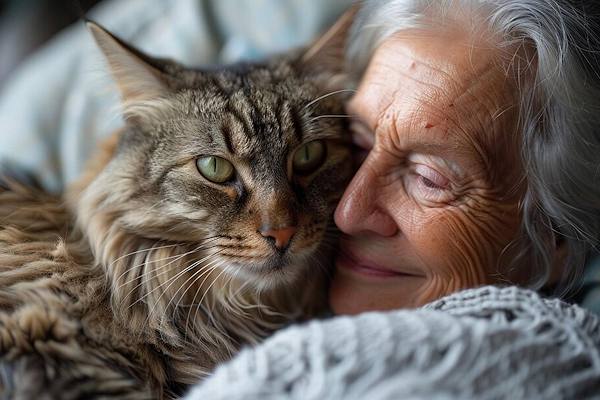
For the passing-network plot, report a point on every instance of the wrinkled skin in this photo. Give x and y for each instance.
(434, 206)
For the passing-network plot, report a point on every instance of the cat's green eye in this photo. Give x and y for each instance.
(215, 169)
(309, 157)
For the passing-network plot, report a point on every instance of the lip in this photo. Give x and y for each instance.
(350, 262)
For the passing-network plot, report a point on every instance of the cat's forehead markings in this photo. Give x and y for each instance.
(239, 111)
(232, 131)
(265, 110)
(227, 135)
(293, 120)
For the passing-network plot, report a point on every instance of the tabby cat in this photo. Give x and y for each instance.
(204, 224)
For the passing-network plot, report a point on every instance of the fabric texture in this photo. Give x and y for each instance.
(58, 105)
(486, 343)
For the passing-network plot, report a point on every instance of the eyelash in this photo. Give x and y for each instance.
(430, 185)
(430, 177)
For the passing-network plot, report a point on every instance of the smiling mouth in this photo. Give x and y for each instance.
(347, 262)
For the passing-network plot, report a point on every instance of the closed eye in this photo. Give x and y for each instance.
(428, 186)
(431, 178)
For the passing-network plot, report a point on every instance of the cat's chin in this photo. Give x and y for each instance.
(268, 273)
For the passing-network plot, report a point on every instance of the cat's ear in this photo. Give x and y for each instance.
(326, 54)
(138, 77)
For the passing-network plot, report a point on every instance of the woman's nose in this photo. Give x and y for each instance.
(360, 209)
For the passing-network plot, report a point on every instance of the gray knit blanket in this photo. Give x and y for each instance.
(486, 343)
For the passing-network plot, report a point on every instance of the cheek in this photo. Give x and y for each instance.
(461, 248)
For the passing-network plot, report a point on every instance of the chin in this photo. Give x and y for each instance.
(349, 296)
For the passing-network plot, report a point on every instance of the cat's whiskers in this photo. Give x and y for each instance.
(262, 307)
(155, 304)
(140, 251)
(205, 269)
(332, 116)
(174, 278)
(240, 306)
(176, 226)
(155, 205)
(216, 264)
(145, 263)
(176, 256)
(227, 300)
(142, 278)
(327, 95)
(231, 293)
(219, 263)
(207, 307)
(209, 286)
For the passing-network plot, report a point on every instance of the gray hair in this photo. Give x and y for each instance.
(559, 119)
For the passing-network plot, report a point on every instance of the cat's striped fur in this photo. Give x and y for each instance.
(144, 276)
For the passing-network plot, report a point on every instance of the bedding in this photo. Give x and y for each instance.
(485, 343)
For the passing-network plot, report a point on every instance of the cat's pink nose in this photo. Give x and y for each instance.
(282, 236)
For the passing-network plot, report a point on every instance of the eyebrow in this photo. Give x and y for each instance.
(433, 148)
(435, 140)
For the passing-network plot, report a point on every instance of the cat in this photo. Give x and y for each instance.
(203, 225)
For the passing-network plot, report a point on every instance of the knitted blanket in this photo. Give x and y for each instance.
(486, 343)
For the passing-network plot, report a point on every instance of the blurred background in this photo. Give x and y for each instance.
(27, 24)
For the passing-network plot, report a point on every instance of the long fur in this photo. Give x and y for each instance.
(144, 275)
(66, 329)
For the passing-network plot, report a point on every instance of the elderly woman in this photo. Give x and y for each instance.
(480, 125)
(478, 129)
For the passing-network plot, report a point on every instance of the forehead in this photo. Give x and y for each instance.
(448, 80)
